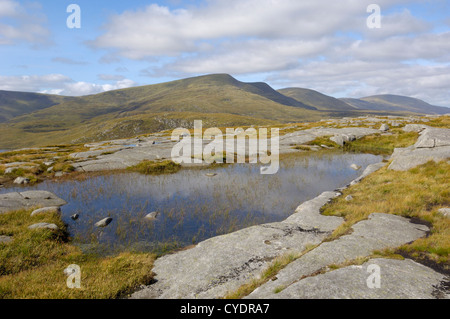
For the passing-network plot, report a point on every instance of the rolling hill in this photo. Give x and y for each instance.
(14, 104)
(218, 99)
(316, 99)
(396, 103)
(31, 119)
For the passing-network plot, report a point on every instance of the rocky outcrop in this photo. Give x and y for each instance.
(400, 279)
(26, 200)
(378, 232)
(432, 145)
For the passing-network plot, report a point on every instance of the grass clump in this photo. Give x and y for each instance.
(32, 265)
(63, 167)
(323, 140)
(156, 168)
(382, 144)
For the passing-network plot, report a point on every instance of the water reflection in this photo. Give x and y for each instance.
(193, 206)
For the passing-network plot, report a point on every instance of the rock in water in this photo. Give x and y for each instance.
(355, 167)
(46, 210)
(75, 216)
(21, 180)
(211, 174)
(152, 216)
(104, 222)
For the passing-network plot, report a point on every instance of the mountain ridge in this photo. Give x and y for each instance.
(218, 99)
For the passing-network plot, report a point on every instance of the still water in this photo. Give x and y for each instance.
(193, 207)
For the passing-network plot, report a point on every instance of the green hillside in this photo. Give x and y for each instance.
(219, 99)
(14, 104)
(395, 103)
(317, 100)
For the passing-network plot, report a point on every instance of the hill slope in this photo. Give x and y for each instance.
(396, 103)
(316, 99)
(14, 104)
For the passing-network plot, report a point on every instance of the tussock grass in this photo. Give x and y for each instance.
(32, 265)
(156, 168)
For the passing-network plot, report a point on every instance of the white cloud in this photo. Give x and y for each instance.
(59, 84)
(22, 22)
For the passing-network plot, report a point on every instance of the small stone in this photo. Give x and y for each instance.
(49, 163)
(44, 226)
(355, 167)
(104, 222)
(75, 216)
(445, 212)
(5, 239)
(46, 210)
(211, 174)
(50, 169)
(152, 216)
(349, 198)
(21, 180)
(59, 174)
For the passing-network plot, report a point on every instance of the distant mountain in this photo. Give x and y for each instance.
(316, 99)
(31, 119)
(220, 99)
(396, 103)
(14, 104)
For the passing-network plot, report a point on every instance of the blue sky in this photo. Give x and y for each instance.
(323, 45)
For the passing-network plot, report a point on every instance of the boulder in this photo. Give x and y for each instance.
(384, 128)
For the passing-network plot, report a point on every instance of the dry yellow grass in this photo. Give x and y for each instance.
(417, 193)
(32, 265)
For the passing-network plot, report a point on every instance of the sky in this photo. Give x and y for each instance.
(325, 45)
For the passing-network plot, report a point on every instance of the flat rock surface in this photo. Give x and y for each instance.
(399, 279)
(432, 145)
(378, 232)
(15, 201)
